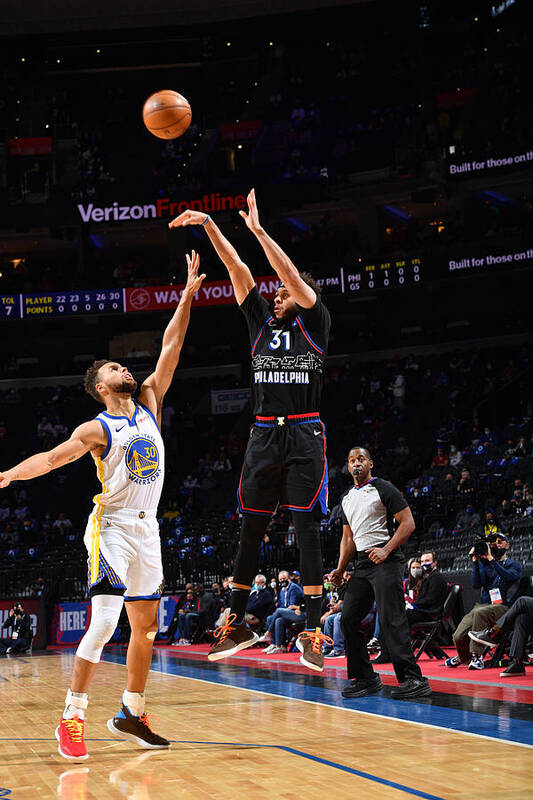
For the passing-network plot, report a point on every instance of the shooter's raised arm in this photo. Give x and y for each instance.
(280, 262)
(240, 275)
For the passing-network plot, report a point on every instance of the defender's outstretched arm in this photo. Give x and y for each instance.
(156, 385)
(87, 436)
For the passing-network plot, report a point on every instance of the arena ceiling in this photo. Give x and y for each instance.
(56, 16)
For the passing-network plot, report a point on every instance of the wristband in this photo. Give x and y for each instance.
(206, 220)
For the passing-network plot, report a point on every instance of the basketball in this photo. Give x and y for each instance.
(167, 114)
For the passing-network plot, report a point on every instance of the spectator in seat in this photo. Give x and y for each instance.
(62, 524)
(432, 593)
(489, 438)
(20, 510)
(20, 635)
(447, 488)
(331, 619)
(260, 601)
(182, 599)
(465, 487)
(498, 578)
(172, 511)
(218, 597)
(455, 456)
(518, 502)
(490, 525)
(518, 622)
(287, 612)
(227, 586)
(189, 607)
(199, 613)
(440, 459)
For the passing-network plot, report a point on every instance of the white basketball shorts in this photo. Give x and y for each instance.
(124, 553)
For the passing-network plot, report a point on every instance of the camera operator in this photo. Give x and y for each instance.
(498, 578)
(21, 635)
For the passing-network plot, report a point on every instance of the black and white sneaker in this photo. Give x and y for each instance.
(126, 725)
(514, 668)
(489, 636)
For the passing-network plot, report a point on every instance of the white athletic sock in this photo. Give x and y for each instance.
(134, 701)
(75, 705)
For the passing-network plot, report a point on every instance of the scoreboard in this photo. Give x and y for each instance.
(61, 304)
(351, 280)
(390, 274)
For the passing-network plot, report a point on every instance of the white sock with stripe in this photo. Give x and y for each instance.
(134, 701)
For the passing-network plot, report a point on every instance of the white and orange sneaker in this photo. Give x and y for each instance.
(69, 734)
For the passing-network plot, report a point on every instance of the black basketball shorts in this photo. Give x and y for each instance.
(285, 463)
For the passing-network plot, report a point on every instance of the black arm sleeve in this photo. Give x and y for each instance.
(344, 519)
(391, 497)
(256, 311)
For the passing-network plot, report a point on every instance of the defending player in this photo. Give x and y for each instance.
(122, 535)
(285, 460)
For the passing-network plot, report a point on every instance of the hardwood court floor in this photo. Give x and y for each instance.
(236, 738)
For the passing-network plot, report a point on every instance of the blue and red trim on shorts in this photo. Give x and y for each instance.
(321, 493)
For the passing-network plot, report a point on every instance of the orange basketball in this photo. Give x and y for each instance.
(167, 114)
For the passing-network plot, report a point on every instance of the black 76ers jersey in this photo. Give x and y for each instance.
(287, 357)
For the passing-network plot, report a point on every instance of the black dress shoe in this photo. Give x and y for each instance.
(412, 687)
(361, 687)
(514, 668)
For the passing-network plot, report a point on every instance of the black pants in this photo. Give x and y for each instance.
(519, 619)
(16, 645)
(382, 582)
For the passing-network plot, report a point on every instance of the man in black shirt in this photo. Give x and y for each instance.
(285, 460)
(432, 593)
(21, 634)
(369, 509)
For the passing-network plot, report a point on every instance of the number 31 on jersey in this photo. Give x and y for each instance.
(277, 337)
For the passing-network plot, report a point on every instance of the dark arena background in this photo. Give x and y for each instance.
(391, 149)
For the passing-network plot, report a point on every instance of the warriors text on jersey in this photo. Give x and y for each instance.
(287, 356)
(132, 467)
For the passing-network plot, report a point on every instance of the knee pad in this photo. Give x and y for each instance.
(104, 619)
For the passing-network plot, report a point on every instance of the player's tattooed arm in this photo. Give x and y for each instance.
(88, 436)
(240, 275)
(156, 385)
(280, 262)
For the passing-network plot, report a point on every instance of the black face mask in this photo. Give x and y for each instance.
(284, 584)
(497, 552)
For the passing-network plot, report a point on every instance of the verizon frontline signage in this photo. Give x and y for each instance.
(162, 207)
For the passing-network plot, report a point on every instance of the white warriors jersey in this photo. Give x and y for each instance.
(132, 467)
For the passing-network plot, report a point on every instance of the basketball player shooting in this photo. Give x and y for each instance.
(285, 460)
(122, 535)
